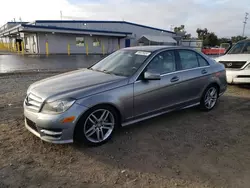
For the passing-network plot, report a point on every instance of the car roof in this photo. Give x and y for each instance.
(154, 48)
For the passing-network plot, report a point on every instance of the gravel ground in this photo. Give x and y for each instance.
(188, 148)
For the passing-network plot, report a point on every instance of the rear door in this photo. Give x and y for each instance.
(193, 76)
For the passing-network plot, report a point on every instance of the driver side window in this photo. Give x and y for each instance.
(163, 63)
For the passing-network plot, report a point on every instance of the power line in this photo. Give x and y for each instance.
(244, 23)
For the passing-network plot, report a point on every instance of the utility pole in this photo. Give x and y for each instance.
(171, 27)
(244, 23)
(61, 15)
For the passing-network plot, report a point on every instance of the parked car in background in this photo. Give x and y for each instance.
(130, 85)
(237, 63)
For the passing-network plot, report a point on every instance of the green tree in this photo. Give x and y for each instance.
(223, 40)
(238, 38)
(182, 32)
(209, 38)
(202, 33)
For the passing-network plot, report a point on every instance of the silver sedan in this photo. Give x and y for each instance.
(130, 85)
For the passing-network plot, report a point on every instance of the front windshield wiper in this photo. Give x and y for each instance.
(112, 73)
(106, 72)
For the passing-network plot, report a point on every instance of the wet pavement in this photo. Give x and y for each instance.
(15, 63)
(18, 63)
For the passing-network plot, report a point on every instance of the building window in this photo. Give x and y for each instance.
(79, 41)
(96, 42)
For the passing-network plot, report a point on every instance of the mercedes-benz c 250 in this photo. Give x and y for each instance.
(128, 86)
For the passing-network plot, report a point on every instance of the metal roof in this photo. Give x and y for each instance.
(39, 28)
(102, 21)
(74, 29)
(160, 39)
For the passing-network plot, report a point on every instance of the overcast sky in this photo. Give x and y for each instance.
(224, 17)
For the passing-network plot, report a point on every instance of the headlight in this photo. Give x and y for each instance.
(57, 107)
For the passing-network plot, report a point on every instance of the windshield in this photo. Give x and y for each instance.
(240, 48)
(122, 62)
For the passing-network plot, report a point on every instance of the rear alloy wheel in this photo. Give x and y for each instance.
(209, 98)
(97, 126)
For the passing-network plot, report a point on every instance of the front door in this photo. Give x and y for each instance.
(152, 96)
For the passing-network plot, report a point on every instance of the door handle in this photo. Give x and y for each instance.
(174, 79)
(204, 71)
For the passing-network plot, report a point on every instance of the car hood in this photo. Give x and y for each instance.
(75, 84)
(234, 57)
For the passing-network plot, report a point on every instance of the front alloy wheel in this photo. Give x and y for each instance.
(99, 125)
(96, 126)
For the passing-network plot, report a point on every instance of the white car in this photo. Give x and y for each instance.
(237, 63)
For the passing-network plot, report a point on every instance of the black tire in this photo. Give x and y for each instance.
(79, 134)
(203, 104)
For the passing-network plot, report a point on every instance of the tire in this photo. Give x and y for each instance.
(91, 130)
(209, 99)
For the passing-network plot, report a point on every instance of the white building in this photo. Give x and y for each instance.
(80, 37)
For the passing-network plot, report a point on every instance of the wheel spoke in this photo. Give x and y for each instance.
(212, 92)
(99, 134)
(104, 115)
(214, 97)
(106, 123)
(107, 127)
(207, 100)
(94, 117)
(90, 131)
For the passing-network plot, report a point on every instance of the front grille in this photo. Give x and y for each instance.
(233, 64)
(33, 102)
(31, 124)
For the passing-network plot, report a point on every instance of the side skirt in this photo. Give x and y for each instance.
(157, 114)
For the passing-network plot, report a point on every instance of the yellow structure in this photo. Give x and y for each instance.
(47, 48)
(87, 49)
(103, 49)
(22, 47)
(18, 48)
(68, 49)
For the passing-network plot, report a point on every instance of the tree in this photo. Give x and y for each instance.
(202, 33)
(223, 40)
(182, 32)
(209, 38)
(238, 38)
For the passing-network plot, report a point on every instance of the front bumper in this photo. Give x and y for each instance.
(238, 76)
(50, 127)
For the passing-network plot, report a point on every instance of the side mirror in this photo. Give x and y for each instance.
(151, 76)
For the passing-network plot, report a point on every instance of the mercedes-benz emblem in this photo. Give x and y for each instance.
(229, 64)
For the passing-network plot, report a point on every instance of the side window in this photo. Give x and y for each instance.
(188, 59)
(202, 61)
(163, 63)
